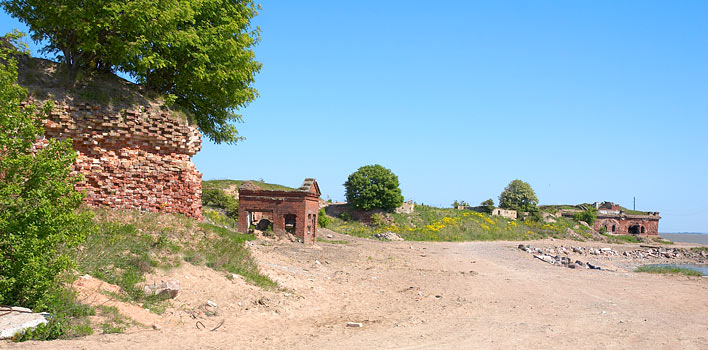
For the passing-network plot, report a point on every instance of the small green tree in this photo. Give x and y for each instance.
(217, 198)
(199, 54)
(588, 215)
(373, 187)
(39, 221)
(488, 205)
(322, 219)
(518, 195)
(457, 203)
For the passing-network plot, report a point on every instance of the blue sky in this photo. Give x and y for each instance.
(585, 100)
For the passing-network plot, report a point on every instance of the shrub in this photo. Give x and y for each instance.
(217, 198)
(488, 205)
(519, 196)
(457, 203)
(588, 215)
(39, 221)
(322, 219)
(373, 187)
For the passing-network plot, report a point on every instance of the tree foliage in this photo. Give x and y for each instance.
(198, 53)
(217, 198)
(518, 195)
(588, 215)
(488, 205)
(39, 220)
(457, 203)
(373, 187)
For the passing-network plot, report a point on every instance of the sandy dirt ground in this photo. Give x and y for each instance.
(414, 295)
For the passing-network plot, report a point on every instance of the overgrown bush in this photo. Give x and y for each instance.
(322, 219)
(39, 221)
(373, 187)
(519, 196)
(217, 198)
(488, 206)
(588, 215)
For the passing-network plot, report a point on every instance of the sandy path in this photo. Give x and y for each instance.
(422, 296)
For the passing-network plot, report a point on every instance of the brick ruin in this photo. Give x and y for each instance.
(294, 211)
(615, 220)
(132, 159)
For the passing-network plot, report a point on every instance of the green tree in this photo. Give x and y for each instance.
(196, 53)
(588, 215)
(457, 203)
(373, 187)
(39, 221)
(518, 195)
(488, 205)
(215, 197)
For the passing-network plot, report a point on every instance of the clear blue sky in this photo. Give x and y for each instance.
(585, 100)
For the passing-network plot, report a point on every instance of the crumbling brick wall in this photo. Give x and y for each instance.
(132, 159)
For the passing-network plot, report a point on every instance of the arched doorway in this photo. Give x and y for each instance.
(635, 229)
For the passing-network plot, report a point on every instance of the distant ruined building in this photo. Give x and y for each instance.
(617, 220)
(133, 159)
(293, 211)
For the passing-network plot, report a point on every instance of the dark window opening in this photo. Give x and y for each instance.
(635, 229)
(290, 222)
(643, 230)
(614, 228)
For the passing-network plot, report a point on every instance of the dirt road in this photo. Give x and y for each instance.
(411, 295)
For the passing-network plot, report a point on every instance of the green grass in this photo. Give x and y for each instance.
(446, 224)
(127, 245)
(115, 322)
(700, 249)
(674, 270)
(226, 252)
(622, 238)
(70, 318)
(222, 184)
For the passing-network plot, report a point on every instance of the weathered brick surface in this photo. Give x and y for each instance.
(134, 159)
(300, 206)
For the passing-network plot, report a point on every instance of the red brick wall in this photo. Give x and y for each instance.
(651, 227)
(280, 203)
(134, 159)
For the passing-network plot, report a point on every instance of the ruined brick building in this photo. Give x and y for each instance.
(133, 151)
(132, 159)
(290, 211)
(616, 220)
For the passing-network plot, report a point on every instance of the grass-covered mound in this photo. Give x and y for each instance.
(125, 245)
(428, 223)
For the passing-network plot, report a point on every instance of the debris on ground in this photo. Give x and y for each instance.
(388, 236)
(15, 320)
(164, 289)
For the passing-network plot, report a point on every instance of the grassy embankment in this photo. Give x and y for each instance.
(126, 245)
(446, 224)
(673, 270)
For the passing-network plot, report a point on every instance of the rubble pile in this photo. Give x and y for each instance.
(558, 256)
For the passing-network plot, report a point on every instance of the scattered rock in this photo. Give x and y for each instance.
(211, 303)
(355, 324)
(388, 236)
(166, 289)
(329, 235)
(156, 327)
(18, 320)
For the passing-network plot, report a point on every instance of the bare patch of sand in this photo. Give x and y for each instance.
(414, 295)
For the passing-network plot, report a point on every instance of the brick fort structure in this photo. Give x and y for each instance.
(136, 158)
(616, 220)
(290, 211)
